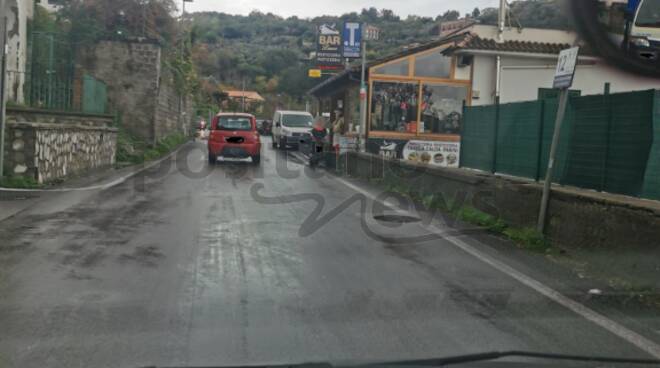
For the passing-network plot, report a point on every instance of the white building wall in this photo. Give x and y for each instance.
(483, 83)
(521, 77)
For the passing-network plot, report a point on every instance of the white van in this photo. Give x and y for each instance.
(645, 30)
(289, 127)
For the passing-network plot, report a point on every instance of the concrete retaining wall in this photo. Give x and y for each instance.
(577, 218)
(48, 146)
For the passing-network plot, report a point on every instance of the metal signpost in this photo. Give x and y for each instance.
(563, 81)
(3, 80)
(370, 34)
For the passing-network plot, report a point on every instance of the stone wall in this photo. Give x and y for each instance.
(48, 146)
(138, 87)
(167, 112)
(576, 218)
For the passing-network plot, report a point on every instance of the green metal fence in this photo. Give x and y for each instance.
(50, 78)
(52, 81)
(651, 188)
(608, 142)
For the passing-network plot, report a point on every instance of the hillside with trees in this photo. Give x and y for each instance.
(271, 54)
(263, 52)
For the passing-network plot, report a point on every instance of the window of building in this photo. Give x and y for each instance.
(394, 106)
(399, 68)
(433, 65)
(442, 108)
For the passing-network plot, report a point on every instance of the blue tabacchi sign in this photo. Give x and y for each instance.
(352, 40)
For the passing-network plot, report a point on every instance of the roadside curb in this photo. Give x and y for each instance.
(111, 184)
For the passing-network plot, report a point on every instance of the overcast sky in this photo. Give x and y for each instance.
(312, 8)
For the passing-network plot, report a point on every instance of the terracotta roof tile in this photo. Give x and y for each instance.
(474, 42)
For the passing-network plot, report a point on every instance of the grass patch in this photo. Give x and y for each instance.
(19, 182)
(132, 150)
(526, 238)
(476, 217)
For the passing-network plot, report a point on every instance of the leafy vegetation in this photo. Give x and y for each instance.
(525, 238)
(19, 182)
(133, 151)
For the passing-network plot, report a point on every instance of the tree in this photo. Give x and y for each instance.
(91, 20)
(370, 14)
(389, 16)
(451, 15)
(476, 13)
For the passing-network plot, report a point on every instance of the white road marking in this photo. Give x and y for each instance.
(617, 329)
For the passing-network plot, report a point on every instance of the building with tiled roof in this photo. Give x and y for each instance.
(418, 94)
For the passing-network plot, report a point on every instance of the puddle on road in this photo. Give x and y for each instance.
(397, 219)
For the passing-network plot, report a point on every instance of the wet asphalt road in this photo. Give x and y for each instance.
(180, 268)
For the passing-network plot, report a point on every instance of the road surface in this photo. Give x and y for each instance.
(191, 265)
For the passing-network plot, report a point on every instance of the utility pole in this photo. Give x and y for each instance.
(3, 83)
(501, 21)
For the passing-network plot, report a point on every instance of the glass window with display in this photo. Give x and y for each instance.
(399, 68)
(442, 108)
(394, 107)
(433, 65)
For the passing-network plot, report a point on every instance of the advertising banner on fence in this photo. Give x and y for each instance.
(329, 46)
(435, 153)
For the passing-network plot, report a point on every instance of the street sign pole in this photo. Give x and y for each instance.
(363, 98)
(369, 33)
(564, 76)
(561, 111)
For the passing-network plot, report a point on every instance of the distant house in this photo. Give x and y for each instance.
(251, 99)
(452, 26)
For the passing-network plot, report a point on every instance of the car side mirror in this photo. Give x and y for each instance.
(278, 125)
(612, 32)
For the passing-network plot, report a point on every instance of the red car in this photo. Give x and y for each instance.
(234, 136)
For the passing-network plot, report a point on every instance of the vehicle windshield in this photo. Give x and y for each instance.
(426, 179)
(234, 123)
(649, 14)
(297, 121)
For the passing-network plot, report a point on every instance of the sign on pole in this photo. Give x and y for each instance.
(566, 68)
(566, 65)
(352, 39)
(315, 73)
(371, 33)
(328, 45)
